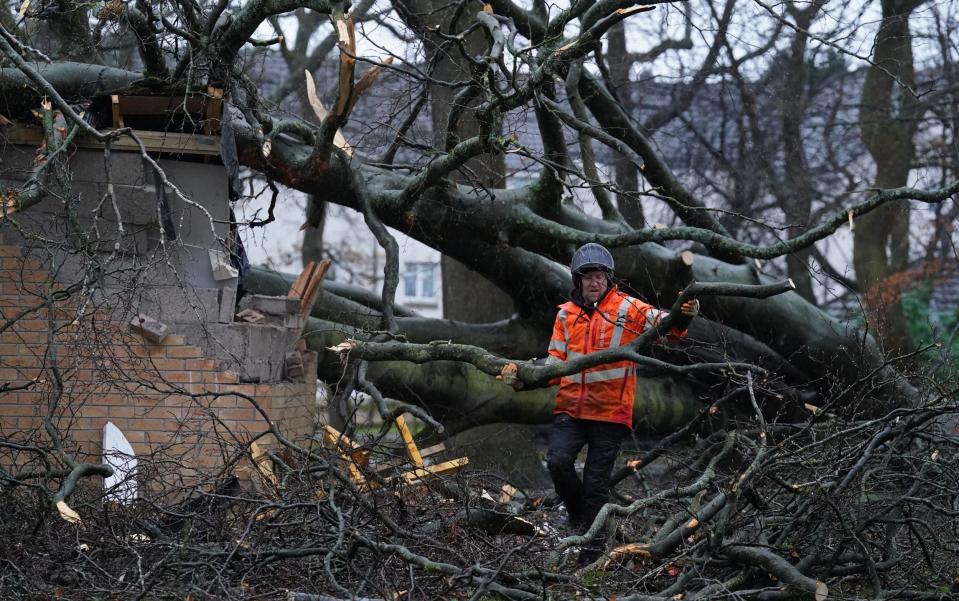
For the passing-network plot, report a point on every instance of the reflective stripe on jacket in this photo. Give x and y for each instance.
(604, 392)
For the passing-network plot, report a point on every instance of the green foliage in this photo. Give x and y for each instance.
(922, 327)
(594, 577)
(915, 308)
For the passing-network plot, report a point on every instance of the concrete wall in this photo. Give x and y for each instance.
(166, 275)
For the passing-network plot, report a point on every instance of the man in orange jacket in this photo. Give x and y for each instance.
(594, 407)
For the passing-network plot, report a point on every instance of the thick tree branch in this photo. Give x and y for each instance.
(534, 375)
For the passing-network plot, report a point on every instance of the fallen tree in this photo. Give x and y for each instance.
(803, 460)
(515, 237)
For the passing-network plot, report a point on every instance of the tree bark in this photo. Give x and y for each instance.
(313, 234)
(888, 124)
(798, 192)
(627, 179)
(817, 342)
(461, 397)
(467, 295)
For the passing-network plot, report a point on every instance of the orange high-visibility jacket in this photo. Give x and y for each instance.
(604, 392)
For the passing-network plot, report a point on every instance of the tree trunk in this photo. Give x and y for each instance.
(627, 180)
(814, 340)
(797, 195)
(887, 120)
(467, 295)
(313, 236)
(461, 397)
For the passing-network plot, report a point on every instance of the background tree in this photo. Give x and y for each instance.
(888, 118)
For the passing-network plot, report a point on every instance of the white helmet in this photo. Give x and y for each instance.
(591, 256)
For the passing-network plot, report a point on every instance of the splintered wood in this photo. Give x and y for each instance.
(411, 451)
(317, 105)
(307, 285)
(507, 493)
(356, 458)
(263, 465)
(447, 467)
(350, 451)
(630, 550)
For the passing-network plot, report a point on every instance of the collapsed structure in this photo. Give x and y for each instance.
(119, 292)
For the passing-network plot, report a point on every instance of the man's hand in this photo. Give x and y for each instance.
(508, 376)
(690, 308)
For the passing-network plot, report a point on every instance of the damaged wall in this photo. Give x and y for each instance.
(163, 267)
(158, 263)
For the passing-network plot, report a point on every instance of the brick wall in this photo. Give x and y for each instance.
(168, 399)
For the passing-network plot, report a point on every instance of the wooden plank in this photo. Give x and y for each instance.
(313, 287)
(433, 450)
(154, 141)
(394, 462)
(262, 462)
(158, 141)
(336, 438)
(355, 475)
(349, 449)
(115, 109)
(299, 285)
(161, 105)
(446, 467)
(21, 134)
(411, 451)
(353, 456)
(330, 434)
(214, 111)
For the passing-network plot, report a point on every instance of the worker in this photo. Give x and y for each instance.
(595, 407)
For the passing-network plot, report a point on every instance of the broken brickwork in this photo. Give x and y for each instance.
(167, 396)
(115, 244)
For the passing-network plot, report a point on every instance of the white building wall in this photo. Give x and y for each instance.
(357, 257)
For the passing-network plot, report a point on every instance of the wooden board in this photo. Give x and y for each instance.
(154, 141)
(349, 451)
(334, 437)
(161, 105)
(313, 287)
(433, 450)
(355, 457)
(214, 111)
(262, 462)
(116, 112)
(393, 463)
(435, 470)
(208, 106)
(299, 285)
(411, 451)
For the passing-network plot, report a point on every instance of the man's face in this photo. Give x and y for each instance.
(594, 283)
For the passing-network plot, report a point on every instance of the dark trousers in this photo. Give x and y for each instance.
(583, 499)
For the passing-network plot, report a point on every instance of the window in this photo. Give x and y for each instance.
(419, 280)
